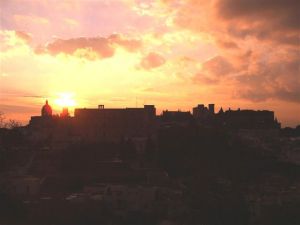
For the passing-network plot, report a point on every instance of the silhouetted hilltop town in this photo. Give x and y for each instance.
(132, 166)
(109, 124)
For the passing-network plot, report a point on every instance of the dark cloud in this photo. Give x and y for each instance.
(268, 20)
(258, 42)
(274, 20)
(89, 47)
(289, 95)
(282, 13)
(258, 95)
(152, 60)
(275, 72)
(277, 80)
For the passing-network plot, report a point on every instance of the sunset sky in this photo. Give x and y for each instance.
(171, 53)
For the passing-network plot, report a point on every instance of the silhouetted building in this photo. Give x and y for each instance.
(65, 112)
(177, 117)
(51, 127)
(211, 108)
(45, 120)
(249, 119)
(115, 124)
(203, 114)
(237, 119)
(46, 110)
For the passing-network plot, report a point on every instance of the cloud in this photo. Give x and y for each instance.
(91, 48)
(128, 44)
(218, 66)
(283, 14)
(268, 20)
(277, 79)
(152, 60)
(23, 35)
(258, 43)
(257, 95)
(98, 45)
(227, 44)
(272, 20)
(11, 39)
(34, 96)
(213, 71)
(202, 78)
(289, 95)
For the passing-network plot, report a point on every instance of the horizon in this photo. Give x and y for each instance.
(172, 54)
(71, 110)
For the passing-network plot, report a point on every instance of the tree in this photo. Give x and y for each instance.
(10, 124)
(2, 120)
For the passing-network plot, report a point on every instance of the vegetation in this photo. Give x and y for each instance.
(8, 123)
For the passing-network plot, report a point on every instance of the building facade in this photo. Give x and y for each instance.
(115, 124)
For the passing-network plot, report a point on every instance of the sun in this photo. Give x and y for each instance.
(65, 99)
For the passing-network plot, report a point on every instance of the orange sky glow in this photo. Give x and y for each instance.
(174, 54)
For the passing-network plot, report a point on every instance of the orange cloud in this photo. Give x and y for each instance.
(152, 60)
(23, 35)
(218, 66)
(89, 47)
(227, 44)
(257, 42)
(128, 44)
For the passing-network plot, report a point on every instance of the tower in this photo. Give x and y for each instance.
(211, 108)
(46, 110)
(65, 112)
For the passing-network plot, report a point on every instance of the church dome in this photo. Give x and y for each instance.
(46, 109)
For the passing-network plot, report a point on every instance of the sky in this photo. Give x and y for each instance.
(171, 53)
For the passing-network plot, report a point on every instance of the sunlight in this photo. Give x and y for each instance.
(65, 99)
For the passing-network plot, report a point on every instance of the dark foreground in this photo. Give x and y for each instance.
(184, 175)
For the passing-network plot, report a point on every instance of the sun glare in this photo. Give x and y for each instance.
(65, 100)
